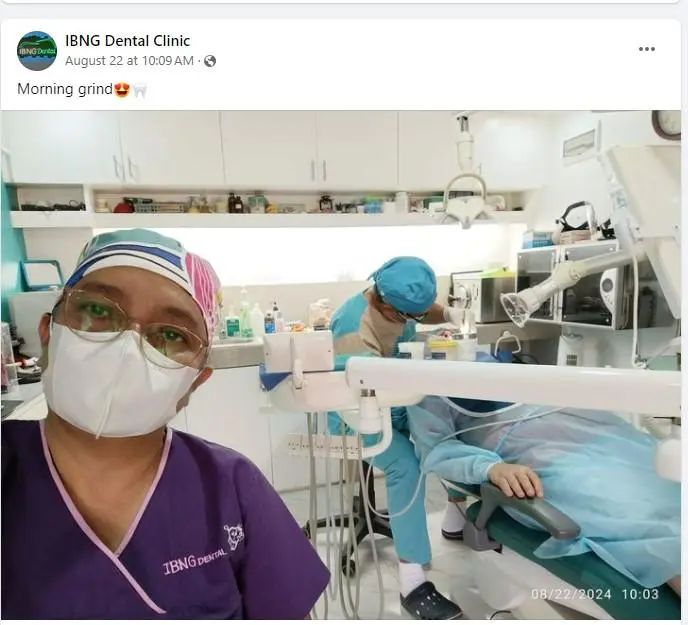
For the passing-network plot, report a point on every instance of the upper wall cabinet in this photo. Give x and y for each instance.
(428, 155)
(109, 148)
(179, 148)
(264, 149)
(61, 147)
(357, 149)
(337, 150)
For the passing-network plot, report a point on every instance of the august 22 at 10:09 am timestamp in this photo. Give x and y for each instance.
(139, 60)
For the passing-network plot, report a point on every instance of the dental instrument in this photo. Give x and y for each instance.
(641, 181)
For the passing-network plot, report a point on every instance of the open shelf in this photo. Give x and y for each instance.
(32, 219)
(51, 219)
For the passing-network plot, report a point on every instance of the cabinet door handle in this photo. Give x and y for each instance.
(132, 168)
(118, 174)
(324, 170)
(313, 170)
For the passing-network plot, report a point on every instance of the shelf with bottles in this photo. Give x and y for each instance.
(106, 209)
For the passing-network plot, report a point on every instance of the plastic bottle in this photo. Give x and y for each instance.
(279, 319)
(257, 321)
(232, 323)
(245, 315)
(269, 322)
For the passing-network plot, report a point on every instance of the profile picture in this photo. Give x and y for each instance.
(37, 50)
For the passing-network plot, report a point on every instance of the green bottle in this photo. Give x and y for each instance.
(245, 316)
(232, 324)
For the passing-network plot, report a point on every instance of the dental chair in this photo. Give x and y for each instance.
(508, 574)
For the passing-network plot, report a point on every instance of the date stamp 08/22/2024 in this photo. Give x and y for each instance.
(594, 594)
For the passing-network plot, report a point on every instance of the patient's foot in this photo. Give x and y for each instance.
(454, 520)
(427, 604)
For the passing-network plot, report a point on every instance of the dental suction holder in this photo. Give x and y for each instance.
(311, 380)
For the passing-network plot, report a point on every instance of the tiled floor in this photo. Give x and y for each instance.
(449, 570)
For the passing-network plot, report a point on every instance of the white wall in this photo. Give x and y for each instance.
(585, 180)
(294, 299)
(308, 255)
(297, 266)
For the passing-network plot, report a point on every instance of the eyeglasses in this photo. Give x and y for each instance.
(407, 317)
(400, 315)
(95, 317)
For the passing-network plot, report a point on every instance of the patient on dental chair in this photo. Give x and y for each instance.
(593, 466)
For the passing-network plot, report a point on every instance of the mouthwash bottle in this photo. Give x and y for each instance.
(232, 324)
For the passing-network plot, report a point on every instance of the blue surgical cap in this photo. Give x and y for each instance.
(406, 283)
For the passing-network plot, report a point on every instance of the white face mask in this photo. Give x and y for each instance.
(110, 388)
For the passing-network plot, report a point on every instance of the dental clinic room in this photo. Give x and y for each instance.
(341, 365)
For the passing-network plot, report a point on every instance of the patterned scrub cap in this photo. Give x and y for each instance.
(167, 257)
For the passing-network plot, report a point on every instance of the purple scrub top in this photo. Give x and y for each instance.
(212, 540)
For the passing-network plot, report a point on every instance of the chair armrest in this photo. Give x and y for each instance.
(545, 514)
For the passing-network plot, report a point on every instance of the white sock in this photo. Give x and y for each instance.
(410, 577)
(454, 520)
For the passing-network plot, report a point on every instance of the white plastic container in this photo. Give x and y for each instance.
(444, 349)
(257, 321)
(319, 314)
(280, 326)
(414, 351)
(402, 202)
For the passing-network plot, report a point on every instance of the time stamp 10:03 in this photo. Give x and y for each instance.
(595, 594)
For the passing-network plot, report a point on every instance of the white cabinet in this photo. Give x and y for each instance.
(357, 149)
(428, 154)
(172, 148)
(264, 149)
(226, 410)
(512, 149)
(354, 150)
(61, 147)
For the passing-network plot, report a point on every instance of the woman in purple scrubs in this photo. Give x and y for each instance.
(106, 512)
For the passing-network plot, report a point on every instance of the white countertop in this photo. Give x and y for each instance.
(30, 394)
(230, 354)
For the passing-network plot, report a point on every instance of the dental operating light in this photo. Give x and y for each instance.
(465, 209)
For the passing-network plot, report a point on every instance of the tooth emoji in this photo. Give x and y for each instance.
(140, 90)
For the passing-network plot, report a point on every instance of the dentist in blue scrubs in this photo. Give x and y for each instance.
(373, 323)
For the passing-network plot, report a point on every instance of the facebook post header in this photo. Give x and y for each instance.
(485, 64)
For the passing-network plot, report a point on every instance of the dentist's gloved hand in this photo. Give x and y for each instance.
(454, 316)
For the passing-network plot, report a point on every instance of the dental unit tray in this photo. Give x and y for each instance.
(301, 374)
